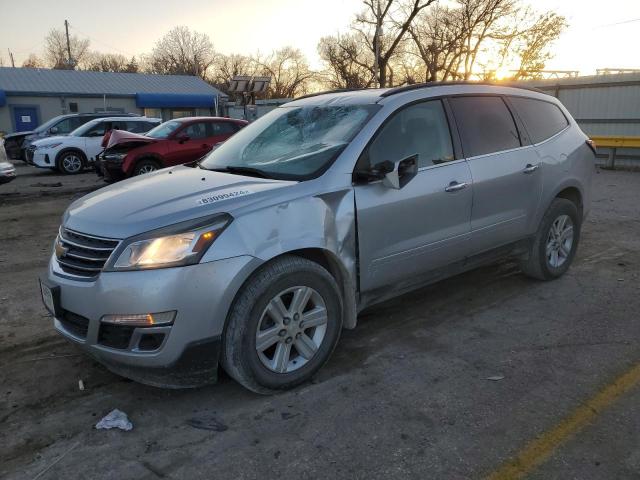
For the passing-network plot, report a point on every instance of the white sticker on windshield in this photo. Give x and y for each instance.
(222, 196)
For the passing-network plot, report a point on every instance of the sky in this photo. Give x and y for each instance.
(601, 34)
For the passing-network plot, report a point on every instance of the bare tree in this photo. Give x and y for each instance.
(182, 52)
(382, 26)
(533, 45)
(56, 53)
(438, 39)
(227, 66)
(289, 71)
(33, 61)
(109, 62)
(348, 62)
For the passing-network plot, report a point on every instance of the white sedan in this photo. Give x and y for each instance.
(72, 153)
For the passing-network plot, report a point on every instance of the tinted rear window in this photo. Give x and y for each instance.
(485, 125)
(541, 119)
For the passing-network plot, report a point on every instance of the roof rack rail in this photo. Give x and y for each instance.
(337, 90)
(416, 86)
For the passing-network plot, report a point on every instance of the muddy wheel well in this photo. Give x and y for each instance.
(573, 195)
(332, 265)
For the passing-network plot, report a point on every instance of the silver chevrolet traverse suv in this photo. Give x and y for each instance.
(256, 257)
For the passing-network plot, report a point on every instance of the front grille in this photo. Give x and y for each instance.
(115, 336)
(83, 255)
(75, 324)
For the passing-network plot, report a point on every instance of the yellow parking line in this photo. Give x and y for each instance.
(543, 446)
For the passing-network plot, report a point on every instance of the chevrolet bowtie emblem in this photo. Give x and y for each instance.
(61, 250)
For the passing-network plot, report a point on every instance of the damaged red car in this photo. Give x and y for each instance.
(171, 143)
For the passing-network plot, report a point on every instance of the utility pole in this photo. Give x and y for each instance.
(69, 59)
(376, 42)
(13, 63)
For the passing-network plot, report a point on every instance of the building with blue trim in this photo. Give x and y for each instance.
(31, 96)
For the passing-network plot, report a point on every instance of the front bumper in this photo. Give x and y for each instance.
(186, 352)
(110, 169)
(41, 158)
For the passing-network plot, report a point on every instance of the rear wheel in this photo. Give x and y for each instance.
(556, 241)
(283, 325)
(70, 162)
(146, 166)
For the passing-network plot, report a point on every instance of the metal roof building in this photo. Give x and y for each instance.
(601, 104)
(31, 96)
(604, 106)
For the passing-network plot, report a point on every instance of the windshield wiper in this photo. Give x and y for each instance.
(248, 171)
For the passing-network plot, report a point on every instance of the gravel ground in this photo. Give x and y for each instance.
(406, 395)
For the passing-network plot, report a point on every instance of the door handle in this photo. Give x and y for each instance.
(530, 168)
(204, 145)
(455, 186)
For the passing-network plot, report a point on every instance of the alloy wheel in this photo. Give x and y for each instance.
(559, 241)
(146, 169)
(71, 163)
(291, 329)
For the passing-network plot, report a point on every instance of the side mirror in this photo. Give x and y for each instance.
(182, 138)
(53, 130)
(397, 174)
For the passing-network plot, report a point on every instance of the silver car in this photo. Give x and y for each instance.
(7, 170)
(256, 257)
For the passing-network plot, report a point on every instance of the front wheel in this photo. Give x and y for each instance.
(283, 326)
(146, 166)
(556, 241)
(70, 163)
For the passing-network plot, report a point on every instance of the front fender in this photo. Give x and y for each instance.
(324, 222)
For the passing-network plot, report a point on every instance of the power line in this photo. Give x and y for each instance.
(619, 23)
(101, 42)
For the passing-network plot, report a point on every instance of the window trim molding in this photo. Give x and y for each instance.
(545, 101)
(513, 117)
(458, 154)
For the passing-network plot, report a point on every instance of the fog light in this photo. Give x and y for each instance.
(142, 319)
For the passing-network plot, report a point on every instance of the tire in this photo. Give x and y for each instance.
(541, 262)
(146, 166)
(262, 369)
(70, 162)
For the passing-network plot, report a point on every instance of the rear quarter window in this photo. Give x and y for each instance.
(541, 119)
(485, 125)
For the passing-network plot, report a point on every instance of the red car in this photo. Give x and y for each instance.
(172, 143)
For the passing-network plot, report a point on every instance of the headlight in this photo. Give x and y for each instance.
(115, 156)
(48, 145)
(177, 245)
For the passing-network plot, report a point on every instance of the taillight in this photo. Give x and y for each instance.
(592, 145)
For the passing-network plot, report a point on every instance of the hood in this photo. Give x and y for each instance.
(162, 198)
(19, 134)
(47, 140)
(123, 138)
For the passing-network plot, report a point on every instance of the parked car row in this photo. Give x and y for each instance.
(121, 145)
(78, 150)
(17, 143)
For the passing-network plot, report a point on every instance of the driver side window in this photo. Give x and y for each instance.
(420, 129)
(195, 131)
(97, 130)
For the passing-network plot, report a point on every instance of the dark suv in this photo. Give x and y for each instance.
(17, 143)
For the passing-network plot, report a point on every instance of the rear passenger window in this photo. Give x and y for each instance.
(541, 119)
(223, 128)
(420, 129)
(485, 125)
